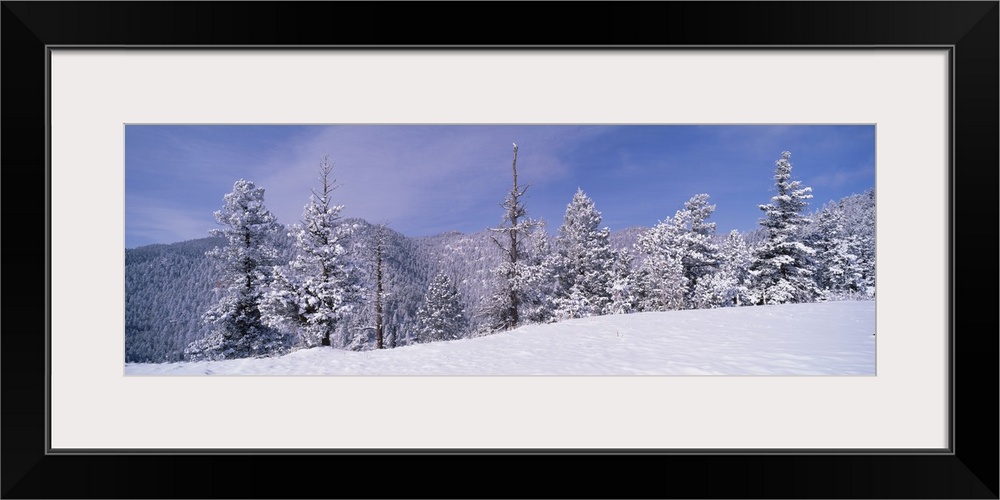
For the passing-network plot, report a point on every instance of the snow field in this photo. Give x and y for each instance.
(829, 338)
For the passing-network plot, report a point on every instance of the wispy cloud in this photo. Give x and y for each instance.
(157, 220)
(416, 177)
(839, 177)
(428, 179)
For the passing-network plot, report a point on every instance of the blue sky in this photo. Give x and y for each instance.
(426, 179)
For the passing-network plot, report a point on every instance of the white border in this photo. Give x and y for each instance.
(95, 92)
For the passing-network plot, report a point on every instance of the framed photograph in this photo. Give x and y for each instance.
(902, 426)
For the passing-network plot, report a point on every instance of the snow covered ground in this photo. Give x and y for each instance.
(832, 338)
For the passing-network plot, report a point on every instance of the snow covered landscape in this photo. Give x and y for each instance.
(829, 338)
(791, 291)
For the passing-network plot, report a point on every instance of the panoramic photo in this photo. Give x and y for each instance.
(499, 250)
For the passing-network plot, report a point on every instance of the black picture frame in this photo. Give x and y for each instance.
(969, 28)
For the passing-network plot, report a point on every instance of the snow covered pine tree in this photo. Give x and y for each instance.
(782, 268)
(538, 279)
(442, 316)
(698, 251)
(585, 261)
(728, 286)
(310, 297)
(684, 245)
(843, 234)
(660, 278)
(837, 267)
(238, 330)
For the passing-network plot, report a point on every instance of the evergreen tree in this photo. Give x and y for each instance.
(859, 222)
(843, 235)
(698, 251)
(442, 316)
(836, 267)
(538, 277)
(237, 326)
(684, 245)
(625, 290)
(729, 286)
(312, 294)
(782, 268)
(660, 277)
(585, 261)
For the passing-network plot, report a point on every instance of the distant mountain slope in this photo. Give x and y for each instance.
(167, 288)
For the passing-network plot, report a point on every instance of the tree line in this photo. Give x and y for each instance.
(320, 294)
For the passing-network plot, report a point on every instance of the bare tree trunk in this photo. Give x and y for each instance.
(379, 242)
(507, 314)
(326, 167)
(515, 194)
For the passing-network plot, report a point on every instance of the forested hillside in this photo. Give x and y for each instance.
(167, 289)
(258, 288)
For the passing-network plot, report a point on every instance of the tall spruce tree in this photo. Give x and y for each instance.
(585, 261)
(314, 291)
(782, 267)
(238, 329)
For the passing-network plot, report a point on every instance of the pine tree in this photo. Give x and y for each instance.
(781, 268)
(237, 327)
(312, 294)
(729, 286)
(538, 282)
(442, 316)
(625, 290)
(836, 268)
(698, 251)
(859, 223)
(843, 234)
(684, 245)
(585, 261)
(660, 277)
